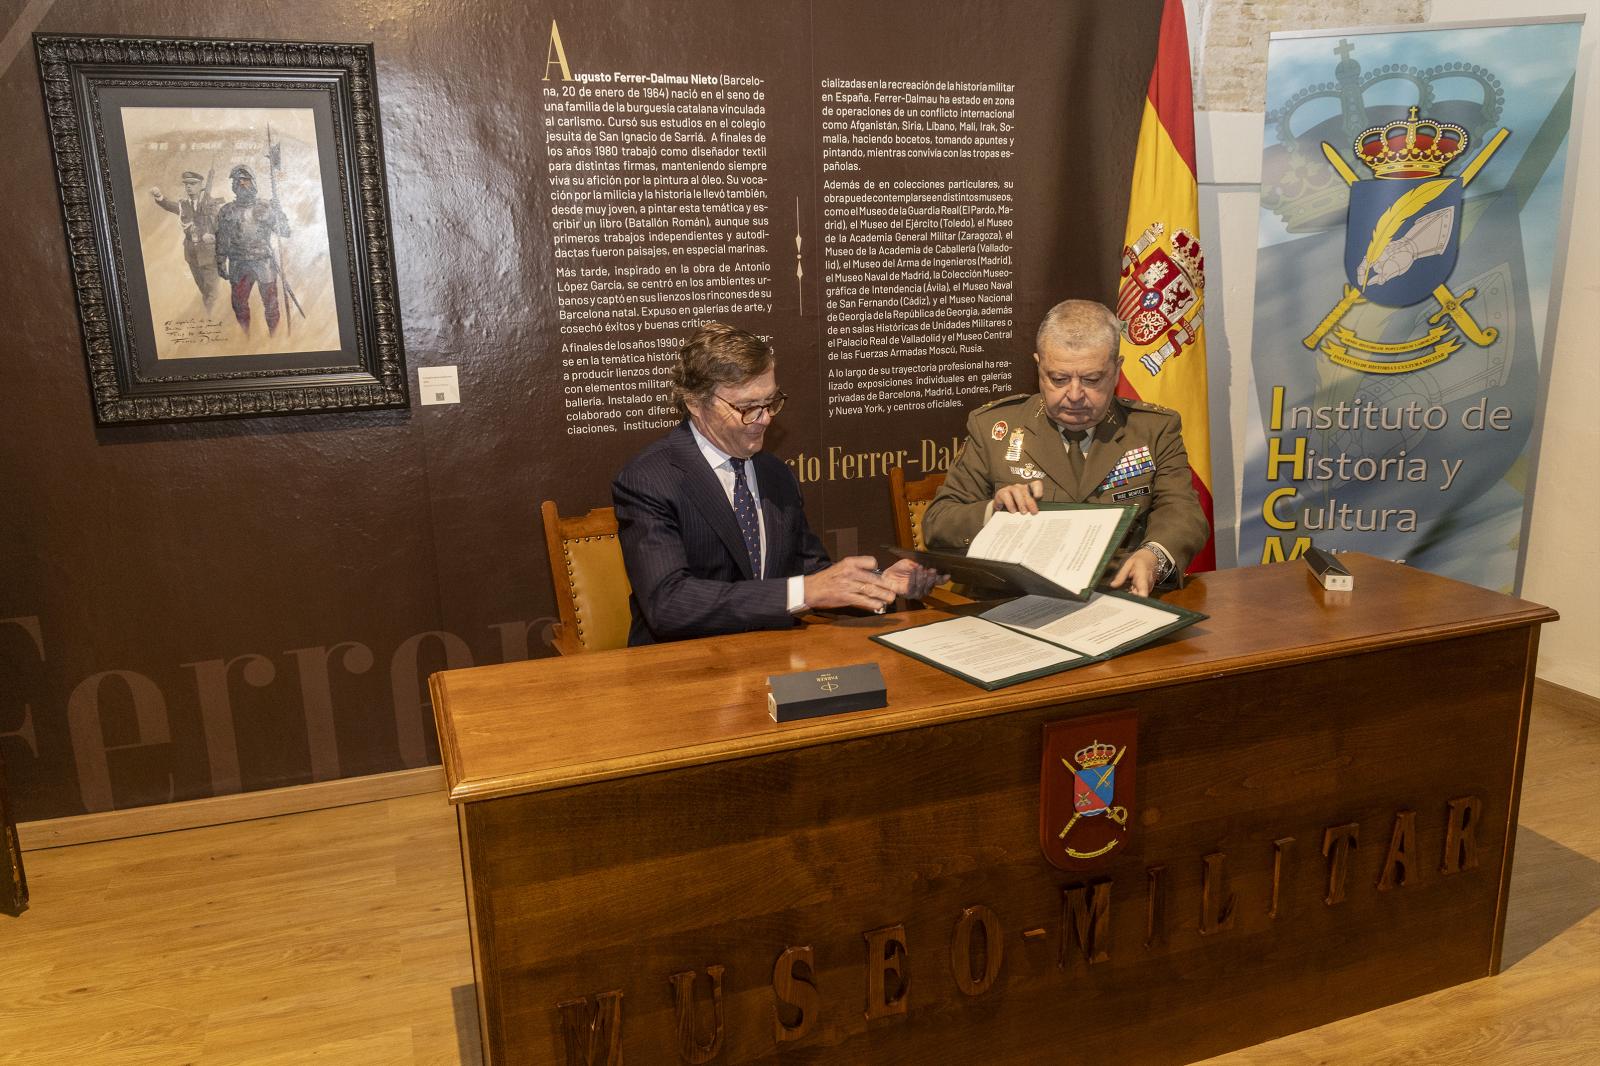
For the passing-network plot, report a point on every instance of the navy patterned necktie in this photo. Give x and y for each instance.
(744, 509)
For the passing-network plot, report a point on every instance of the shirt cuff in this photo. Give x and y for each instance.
(797, 594)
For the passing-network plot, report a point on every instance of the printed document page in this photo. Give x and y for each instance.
(1093, 627)
(1065, 546)
(980, 649)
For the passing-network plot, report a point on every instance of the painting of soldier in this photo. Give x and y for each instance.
(197, 214)
(246, 230)
(264, 245)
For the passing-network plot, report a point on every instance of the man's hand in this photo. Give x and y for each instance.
(1019, 498)
(912, 580)
(1139, 570)
(156, 192)
(850, 582)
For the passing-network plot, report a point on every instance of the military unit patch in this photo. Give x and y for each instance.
(1135, 462)
(999, 430)
(1086, 788)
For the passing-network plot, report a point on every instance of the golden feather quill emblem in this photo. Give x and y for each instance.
(1396, 216)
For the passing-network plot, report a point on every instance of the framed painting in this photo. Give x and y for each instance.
(228, 225)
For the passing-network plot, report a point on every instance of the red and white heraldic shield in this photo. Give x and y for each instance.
(1086, 782)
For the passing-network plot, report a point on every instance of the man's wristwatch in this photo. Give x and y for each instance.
(1164, 563)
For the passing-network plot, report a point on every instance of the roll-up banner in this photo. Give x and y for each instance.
(1410, 240)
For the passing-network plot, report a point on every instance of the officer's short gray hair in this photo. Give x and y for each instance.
(1080, 325)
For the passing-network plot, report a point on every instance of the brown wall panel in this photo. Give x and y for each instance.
(199, 608)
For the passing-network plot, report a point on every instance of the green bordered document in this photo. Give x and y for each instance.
(1034, 636)
(1061, 551)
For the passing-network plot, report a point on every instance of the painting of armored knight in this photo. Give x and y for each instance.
(237, 262)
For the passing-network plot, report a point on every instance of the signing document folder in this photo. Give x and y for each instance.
(1033, 636)
(1061, 551)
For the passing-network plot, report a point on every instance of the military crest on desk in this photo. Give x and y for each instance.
(1086, 789)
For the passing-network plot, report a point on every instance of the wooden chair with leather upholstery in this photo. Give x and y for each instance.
(590, 581)
(907, 501)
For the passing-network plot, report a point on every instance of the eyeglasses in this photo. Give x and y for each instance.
(752, 411)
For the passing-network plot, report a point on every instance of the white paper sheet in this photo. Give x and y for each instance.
(980, 649)
(1093, 627)
(1064, 546)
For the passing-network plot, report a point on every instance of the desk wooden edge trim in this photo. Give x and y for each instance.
(1514, 801)
(449, 751)
(480, 921)
(984, 704)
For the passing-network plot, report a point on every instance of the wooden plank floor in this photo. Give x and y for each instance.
(340, 936)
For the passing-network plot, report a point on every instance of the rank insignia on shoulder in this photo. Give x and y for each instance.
(1014, 446)
(1145, 405)
(999, 430)
(1004, 399)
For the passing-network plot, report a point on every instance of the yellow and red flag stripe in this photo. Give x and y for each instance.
(1161, 293)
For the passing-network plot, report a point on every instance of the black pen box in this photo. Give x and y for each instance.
(813, 693)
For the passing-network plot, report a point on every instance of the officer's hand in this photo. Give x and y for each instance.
(156, 192)
(850, 582)
(1140, 570)
(209, 238)
(913, 580)
(1019, 498)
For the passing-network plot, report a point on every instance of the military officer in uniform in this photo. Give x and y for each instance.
(1075, 441)
(197, 212)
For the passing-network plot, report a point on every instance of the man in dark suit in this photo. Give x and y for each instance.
(713, 530)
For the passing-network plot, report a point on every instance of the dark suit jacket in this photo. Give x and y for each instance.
(685, 556)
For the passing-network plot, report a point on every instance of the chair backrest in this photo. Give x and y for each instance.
(907, 501)
(590, 581)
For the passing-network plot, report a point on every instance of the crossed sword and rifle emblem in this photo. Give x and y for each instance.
(1119, 815)
(1450, 303)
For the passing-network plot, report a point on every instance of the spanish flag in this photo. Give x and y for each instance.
(1161, 294)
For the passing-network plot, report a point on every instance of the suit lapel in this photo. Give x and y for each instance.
(771, 514)
(1044, 446)
(704, 492)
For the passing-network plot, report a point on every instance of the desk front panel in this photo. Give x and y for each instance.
(1284, 863)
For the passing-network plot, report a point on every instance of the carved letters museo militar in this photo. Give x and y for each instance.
(592, 1026)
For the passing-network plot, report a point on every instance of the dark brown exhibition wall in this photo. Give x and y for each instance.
(894, 191)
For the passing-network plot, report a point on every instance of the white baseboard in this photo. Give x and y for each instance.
(219, 810)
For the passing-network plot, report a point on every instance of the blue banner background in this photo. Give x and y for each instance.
(1430, 465)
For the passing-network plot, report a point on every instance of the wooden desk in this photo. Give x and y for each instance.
(1319, 822)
